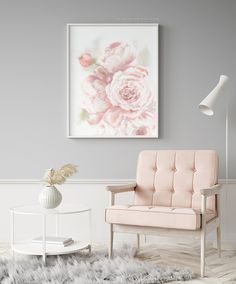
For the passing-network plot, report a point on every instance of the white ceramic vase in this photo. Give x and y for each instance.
(50, 197)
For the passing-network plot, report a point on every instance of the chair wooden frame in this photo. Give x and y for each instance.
(206, 227)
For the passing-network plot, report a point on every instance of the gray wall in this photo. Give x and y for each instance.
(197, 44)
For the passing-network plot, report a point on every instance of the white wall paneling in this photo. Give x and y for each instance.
(92, 193)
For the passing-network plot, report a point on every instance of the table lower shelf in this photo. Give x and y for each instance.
(30, 248)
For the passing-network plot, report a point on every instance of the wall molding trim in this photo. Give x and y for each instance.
(89, 181)
(69, 181)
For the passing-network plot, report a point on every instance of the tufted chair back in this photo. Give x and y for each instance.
(174, 178)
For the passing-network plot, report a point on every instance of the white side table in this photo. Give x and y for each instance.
(45, 249)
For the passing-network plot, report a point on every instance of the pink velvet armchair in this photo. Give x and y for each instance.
(175, 192)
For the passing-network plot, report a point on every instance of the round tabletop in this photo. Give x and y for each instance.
(63, 209)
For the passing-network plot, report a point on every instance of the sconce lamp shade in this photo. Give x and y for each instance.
(207, 105)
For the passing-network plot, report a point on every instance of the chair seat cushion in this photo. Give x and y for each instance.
(156, 216)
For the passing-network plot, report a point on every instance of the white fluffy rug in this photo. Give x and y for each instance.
(83, 268)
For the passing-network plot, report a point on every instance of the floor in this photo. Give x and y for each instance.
(218, 270)
(178, 253)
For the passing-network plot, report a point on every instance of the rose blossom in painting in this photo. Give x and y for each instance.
(117, 56)
(131, 104)
(86, 60)
(130, 89)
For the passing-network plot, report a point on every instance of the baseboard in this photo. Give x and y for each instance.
(225, 245)
(229, 244)
(232, 180)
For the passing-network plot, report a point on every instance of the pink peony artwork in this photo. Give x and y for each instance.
(118, 94)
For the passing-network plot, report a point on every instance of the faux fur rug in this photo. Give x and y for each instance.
(82, 268)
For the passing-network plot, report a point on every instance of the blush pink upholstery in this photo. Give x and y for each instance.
(174, 178)
(168, 188)
(157, 216)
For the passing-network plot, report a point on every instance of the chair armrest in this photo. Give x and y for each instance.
(121, 188)
(114, 189)
(215, 189)
(206, 192)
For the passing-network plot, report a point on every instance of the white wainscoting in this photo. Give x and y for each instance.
(91, 192)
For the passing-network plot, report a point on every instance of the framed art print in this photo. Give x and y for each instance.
(113, 80)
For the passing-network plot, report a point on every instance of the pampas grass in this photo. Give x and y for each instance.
(59, 176)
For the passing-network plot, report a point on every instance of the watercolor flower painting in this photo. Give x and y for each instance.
(117, 93)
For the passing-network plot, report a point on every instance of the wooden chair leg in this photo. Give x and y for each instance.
(218, 233)
(138, 241)
(111, 235)
(203, 248)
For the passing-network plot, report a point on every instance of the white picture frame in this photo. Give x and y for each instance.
(112, 80)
